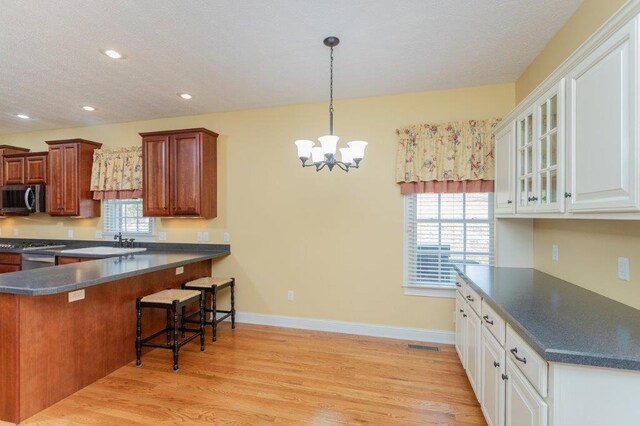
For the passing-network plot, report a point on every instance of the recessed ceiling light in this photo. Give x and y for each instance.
(23, 116)
(113, 54)
(88, 108)
(185, 95)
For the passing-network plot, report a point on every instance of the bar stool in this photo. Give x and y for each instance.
(212, 285)
(173, 301)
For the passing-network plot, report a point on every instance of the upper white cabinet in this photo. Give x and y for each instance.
(505, 193)
(525, 163)
(602, 118)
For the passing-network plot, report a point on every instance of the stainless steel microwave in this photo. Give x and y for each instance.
(23, 199)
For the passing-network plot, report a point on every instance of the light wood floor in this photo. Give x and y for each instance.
(264, 375)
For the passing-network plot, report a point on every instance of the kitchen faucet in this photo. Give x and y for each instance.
(123, 242)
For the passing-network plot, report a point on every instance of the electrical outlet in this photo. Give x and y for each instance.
(198, 236)
(16, 232)
(162, 236)
(69, 233)
(225, 237)
(205, 236)
(99, 234)
(179, 270)
(623, 268)
(554, 252)
(290, 295)
(74, 296)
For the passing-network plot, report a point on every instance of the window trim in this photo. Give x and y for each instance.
(139, 235)
(430, 290)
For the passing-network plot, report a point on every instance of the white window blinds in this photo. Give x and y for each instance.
(443, 229)
(126, 216)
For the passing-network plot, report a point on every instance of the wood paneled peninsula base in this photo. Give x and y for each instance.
(50, 347)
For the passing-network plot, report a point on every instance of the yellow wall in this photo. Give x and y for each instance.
(589, 249)
(333, 238)
(585, 21)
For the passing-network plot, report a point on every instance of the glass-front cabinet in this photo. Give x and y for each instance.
(540, 148)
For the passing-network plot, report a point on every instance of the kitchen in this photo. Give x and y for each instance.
(333, 237)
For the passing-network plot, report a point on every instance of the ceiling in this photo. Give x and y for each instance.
(234, 55)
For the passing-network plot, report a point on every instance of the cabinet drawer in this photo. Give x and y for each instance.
(11, 258)
(494, 323)
(472, 297)
(8, 268)
(527, 360)
(459, 284)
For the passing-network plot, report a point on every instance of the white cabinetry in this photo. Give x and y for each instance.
(524, 407)
(492, 373)
(505, 171)
(602, 117)
(461, 329)
(473, 347)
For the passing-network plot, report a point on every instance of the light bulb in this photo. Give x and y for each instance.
(304, 148)
(317, 156)
(329, 143)
(357, 148)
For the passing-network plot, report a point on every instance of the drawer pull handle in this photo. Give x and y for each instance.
(486, 318)
(458, 284)
(509, 202)
(505, 377)
(464, 315)
(496, 364)
(470, 299)
(514, 352)
(461, 311)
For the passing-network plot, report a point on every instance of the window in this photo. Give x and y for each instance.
(126, 216)
(443, 229)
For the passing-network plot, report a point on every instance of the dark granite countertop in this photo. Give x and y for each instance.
(564, 323)
(74, 276)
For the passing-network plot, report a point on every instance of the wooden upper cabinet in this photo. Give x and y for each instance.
(68, 192)
(6, 150)
(25, 168)
(180, 173)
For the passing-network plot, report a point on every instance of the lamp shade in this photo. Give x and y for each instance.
(304, 148)
(347, 155)
(329, 143)
(357, 148)
(317, 156)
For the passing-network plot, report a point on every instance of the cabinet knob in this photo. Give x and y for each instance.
(529, 199)
(567, 195)
(509, 202)
(534, 198)
(464, 315)
(461, 311)
(496, 364)
(504, 377)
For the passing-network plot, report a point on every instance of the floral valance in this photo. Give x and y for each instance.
(117, 173)
(447, 157)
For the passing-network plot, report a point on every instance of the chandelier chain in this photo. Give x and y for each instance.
(331, 94)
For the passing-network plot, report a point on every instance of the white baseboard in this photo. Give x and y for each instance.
(375, 330)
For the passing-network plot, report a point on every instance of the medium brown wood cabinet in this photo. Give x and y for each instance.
(180, 173)
(10, 262)
(25, 168)
(6, 150)
(68, 188)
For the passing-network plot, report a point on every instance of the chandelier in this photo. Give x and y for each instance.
(325, 154)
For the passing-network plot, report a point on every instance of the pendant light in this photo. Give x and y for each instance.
(325, 154)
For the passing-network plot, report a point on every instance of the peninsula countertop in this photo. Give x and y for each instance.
(564, 323)
(63, 278)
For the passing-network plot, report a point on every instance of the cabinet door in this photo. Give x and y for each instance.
(13, 170)
(505, 171)
(524, 407)
(155, 201)
(473, 348)
(526, 162)
(70, 179)
(35, 169)
(493, 386)
(549, 151)
(55, 188)
(602, 120)
(185, 174)
(461, 330)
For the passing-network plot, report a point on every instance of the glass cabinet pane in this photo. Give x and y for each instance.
(543, 153)
(521, 140)
(529, 184)
(522, 162)
(529, 159)
(543, 119)
(543, 188)
(553, 149)
(523, 192)
(553, 112)
(553, 187)
(529, 137)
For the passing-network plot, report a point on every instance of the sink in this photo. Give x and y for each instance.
(107, 251)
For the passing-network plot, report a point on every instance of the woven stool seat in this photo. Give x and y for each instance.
(168, 296)
(208, 282)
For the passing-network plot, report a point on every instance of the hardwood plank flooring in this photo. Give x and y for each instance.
(270, 375)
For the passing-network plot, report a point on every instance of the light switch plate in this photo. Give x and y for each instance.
(179, 270)
(623, 268)
(290, 295)
(198, 236)
(69, 233)
(74, 296)
(225, 237)
(554, 252)
(205, 236)
(162, 236)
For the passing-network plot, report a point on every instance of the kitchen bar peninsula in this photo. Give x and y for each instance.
(51, 347)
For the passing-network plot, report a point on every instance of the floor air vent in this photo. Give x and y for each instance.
(425, 348)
